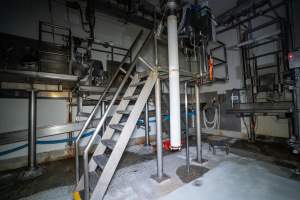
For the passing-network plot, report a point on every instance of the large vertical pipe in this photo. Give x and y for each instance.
(32, 131)
(198, 124)
(174, 90)
(146, 120)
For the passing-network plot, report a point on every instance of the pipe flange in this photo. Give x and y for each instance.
(172, 5)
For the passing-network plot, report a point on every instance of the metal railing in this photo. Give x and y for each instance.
(103, 118)
(95, 109)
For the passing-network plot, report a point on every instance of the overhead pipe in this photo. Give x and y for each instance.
(174, 88)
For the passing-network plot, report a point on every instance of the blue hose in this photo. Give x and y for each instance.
(87, 134)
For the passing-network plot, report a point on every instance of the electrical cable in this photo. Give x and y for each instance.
(214, 123)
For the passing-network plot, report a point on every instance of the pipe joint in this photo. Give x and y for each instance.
(172, 6)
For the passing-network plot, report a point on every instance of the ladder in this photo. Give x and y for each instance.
(99, 170)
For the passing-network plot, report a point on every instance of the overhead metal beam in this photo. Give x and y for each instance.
(114, 10)
(275, 6)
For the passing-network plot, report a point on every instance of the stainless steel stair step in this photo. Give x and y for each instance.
(109, 143)
(134, 97)
(118, 127)
(137, 84)
(101, 160)
(124, 112)
(93, 180)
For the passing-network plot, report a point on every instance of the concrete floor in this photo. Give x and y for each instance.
(240, 179)
(136, 167)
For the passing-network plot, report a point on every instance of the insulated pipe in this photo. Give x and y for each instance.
(32, 131)
(174, 89)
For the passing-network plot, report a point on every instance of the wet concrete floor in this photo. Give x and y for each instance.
(62, 172)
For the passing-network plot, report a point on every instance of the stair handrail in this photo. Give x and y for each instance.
(104, 116)
(95, 109)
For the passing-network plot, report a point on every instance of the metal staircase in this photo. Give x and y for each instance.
(99, 170)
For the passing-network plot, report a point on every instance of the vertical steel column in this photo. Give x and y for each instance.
(79, 108)
(198, 124)
(174, 88)
(158, 129)
(297, 104)
(32, 131)
(70, 134)
(187, 128)
(160, 176)
(79, 104)
(252, 128)
(204, 58)
(146, 122)
(33, 170)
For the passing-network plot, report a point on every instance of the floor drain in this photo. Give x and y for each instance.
(197, 183)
